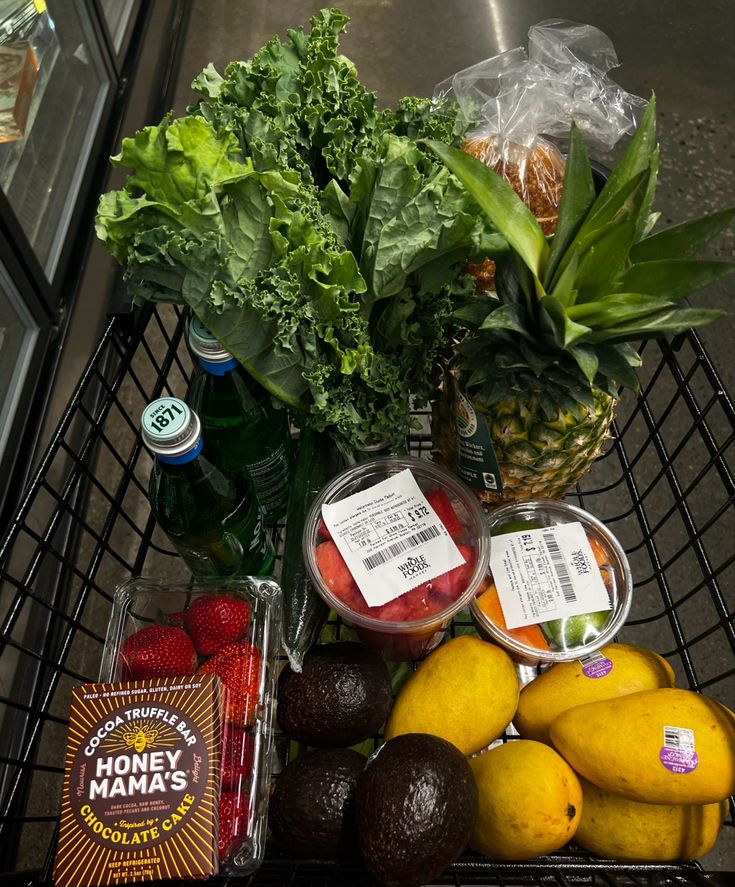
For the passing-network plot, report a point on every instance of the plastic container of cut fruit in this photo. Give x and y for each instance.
(232, 629)
(412, 625)
(574, 637)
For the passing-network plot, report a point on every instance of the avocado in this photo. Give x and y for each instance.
(312, 811)
(416, 806)
(342, 696)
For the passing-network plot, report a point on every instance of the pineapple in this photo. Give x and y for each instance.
(545, 357)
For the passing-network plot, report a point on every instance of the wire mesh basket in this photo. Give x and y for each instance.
(664, 486)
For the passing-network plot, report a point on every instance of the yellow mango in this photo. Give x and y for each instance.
(466, 692)
(629, 831)
(626, 746)
(529, 801)
(628, 669)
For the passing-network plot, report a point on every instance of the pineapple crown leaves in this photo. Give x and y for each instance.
(573, 303)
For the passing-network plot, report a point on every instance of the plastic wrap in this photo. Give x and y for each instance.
(247, 735)
(517, 101)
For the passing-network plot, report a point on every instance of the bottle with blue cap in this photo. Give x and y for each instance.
(213, 520)
(244, 429)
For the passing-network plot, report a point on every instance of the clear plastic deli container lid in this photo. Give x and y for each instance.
(231, 629)
(398, 540)
(572, 587)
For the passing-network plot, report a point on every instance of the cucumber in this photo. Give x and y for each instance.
(304, 612)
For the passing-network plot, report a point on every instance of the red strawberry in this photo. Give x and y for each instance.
(334, 571)
(238, 667)
(233, 821)
(158, 652)
(213, 622)
(238, 749)
(171, 619)
(439, 501)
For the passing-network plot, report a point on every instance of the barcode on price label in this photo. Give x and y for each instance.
(391, 538)
(382, 557)
(545, 574)
(560, 565)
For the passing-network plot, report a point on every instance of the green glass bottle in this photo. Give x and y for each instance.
(213, 520)
(241, 423)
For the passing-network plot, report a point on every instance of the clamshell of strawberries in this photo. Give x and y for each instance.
(231, 630)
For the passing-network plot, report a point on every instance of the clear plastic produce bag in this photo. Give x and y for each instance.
(514, 102)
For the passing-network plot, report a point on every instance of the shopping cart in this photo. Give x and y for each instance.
(664, 486)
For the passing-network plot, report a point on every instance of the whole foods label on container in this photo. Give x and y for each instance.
(678, 754)
(546, 574)
(140, 782)
(391, 538)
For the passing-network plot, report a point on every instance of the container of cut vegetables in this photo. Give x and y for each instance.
(559, 588)
(396, 546)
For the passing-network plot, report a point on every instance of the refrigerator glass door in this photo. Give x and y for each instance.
(119, 17)
(18, 336)
(51, 99)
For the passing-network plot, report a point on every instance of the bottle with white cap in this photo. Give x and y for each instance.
(213, 520)
(245, 430)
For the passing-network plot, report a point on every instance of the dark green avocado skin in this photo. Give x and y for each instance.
(342, 696)
(416, 805)
(312, 810)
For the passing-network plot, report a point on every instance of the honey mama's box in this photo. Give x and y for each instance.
(141, 782)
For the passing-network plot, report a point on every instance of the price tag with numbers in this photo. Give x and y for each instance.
(547, 574)
(391, 538)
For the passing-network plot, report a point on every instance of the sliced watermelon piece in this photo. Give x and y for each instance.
(419, 603)
(337, 577)
(322, 530)
(444, 509)
(355, 601)
(394, 611)
(334, 571)
(451, 585)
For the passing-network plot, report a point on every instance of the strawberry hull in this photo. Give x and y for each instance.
(158, 626)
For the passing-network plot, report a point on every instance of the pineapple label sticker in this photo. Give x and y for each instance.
(391, 538)
(677, 753)
(546, 574)
(477, 463)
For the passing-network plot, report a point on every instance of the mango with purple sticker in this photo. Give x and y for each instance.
(664, 746)
(616, 670)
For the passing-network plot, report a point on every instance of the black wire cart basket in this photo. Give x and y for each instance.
(664, 486)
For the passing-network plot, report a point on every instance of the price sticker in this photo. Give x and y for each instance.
(391, 538)
(547, 574)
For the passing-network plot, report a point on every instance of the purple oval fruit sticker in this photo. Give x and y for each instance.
(678, 754)
(679, 760)
(597, 667)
